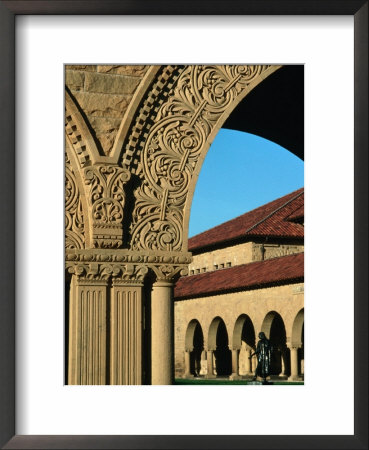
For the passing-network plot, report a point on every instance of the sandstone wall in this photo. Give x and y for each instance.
(104, 93)
(287, 301)
(239, 254)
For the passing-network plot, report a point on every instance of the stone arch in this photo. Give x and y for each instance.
(274, 328)
(297, 341)
(77, 231)
(218, 342)
(194, 344)
(167, 162)
(190, 333)
(297, 329)
(243, 331)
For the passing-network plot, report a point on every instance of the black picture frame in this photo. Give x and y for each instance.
(8, 11)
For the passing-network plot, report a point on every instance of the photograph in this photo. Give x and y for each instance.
(184, 224)
(158, 161)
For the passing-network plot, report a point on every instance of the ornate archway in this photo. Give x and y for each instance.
(127, 224)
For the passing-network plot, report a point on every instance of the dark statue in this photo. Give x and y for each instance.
(263, 352)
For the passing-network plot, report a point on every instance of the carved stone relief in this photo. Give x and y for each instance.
(74, 223)
(173, 146)
(106, 198)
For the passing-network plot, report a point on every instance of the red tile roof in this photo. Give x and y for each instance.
(270, 220)
(298, 214)
(246, 276)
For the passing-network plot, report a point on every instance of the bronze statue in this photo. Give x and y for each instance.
(263, 352)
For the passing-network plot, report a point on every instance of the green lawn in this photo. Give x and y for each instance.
(202, 381)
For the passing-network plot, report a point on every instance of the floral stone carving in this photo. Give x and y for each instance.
(176, 143)
(106, 198)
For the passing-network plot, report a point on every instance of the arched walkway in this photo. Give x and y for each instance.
(274, 328)
(243, 345)
(218, 348)
(194, 347)
(297, 347)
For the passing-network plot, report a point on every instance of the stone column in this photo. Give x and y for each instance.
(188, 373)
(126, 329)
(248, 362)
(254, 363)
(283, 361)
(87, 330)
(162, 345)
(203, 370)
(209, 357)
(235, 363)
(294, 363)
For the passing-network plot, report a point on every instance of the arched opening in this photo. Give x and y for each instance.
(218, 341)
(275, 109)
(244, 343)
(297, 340)
(244, 332)
(195, 346)
(274, 328)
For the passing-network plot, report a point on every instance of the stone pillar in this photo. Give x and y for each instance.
(248, 362)
(187, 355)
(235, 363)
(254, 363)
(126, 330)
(283, 354)
(209, 357)
(162, 345)
(294, 363)
(87, 330)
(203, 370)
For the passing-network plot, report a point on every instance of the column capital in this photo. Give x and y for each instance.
(96, 272)
(127, 265)
(234, 348)
(169, 273)
(293, 346)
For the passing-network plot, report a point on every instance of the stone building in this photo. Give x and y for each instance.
(247, 276)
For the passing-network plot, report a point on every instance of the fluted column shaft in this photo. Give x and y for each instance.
(126, 333)
(87, 332)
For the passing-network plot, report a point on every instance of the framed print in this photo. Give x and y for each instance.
(40, 409)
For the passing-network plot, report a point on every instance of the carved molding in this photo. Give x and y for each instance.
(106, 198)
(127, 256)
(177, 141)
(74, 217)
(146, 114)
(123, 267)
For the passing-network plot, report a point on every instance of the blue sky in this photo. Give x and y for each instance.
(241, 172)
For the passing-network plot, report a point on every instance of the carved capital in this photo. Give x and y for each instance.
(106, 198)
(130, 274)
(125, 266)
(169, 272)
(91, 273)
